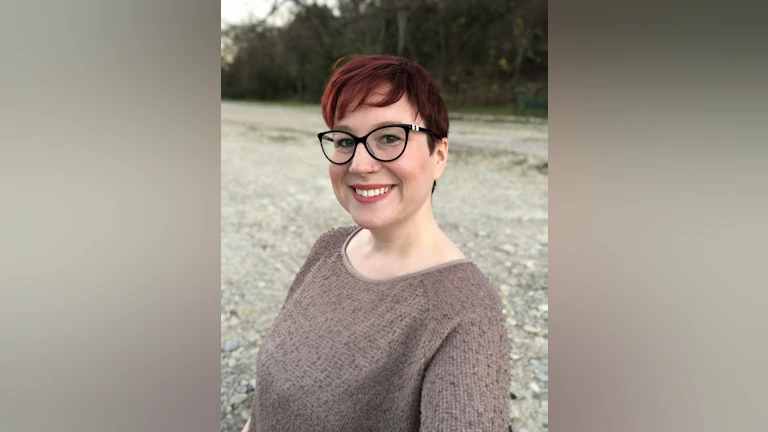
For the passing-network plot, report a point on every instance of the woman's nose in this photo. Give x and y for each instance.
(362, 162)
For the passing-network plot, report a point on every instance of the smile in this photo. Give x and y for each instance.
(371, 194)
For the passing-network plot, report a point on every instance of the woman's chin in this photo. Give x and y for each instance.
(370, 221)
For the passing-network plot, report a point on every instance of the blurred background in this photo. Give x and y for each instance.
(276, 197)
(484, 54)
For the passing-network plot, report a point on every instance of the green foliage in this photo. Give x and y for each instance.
(480, 53)
(518, 27)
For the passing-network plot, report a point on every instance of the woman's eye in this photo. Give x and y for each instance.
(390, 139)
(344, 143)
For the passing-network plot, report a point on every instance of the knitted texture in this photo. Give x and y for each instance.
(425, 352)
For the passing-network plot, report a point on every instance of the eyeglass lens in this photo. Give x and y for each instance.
(386, 144)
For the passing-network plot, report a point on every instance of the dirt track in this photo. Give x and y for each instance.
(277, 199)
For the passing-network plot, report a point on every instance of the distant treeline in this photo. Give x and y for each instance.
(482, 52)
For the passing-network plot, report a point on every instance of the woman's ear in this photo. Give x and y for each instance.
(441, 156)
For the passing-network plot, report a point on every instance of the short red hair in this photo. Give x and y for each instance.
(352, 85)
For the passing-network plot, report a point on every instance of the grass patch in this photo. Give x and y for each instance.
(287, 102)
(295, 103)
(500, 110)
(281, 138)
(459, 112)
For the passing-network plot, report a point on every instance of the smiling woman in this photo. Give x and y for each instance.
(387, 326)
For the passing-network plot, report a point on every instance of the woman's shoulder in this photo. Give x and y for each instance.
(332, 239)
(462, 290)
(462, 300)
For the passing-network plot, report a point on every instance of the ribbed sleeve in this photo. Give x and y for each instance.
(466, 384)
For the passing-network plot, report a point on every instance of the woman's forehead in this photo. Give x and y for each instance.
(368, 114)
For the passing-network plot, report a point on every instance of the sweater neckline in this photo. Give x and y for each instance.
(353, 271)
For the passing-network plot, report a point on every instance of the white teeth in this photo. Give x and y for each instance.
(371, 192)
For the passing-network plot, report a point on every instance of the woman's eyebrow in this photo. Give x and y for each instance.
(349, 129)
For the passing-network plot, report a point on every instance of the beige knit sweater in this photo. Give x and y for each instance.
(426, 351)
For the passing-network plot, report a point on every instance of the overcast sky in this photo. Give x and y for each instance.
(239, 11)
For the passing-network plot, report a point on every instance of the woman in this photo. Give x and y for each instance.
(387, 326)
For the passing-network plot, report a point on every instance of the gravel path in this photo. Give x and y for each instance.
(276, 199)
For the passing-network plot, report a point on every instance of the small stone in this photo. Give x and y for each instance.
(228, 409)
(232, 363)
(515, 356)
(505, 289)
(511, 322)
(512, 396)
(509, 313)
(531, 329)
(510, 249)
(543, 239)
(231, 346)
(252, 382)
(535, 387)
(242, 388)
(544, 307)
(542, 376)
(245, 415)
(238, 399)
(482, 233)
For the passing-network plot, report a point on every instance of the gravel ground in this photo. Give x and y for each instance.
(276, 199)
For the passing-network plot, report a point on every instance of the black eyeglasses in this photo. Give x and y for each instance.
(385, 143)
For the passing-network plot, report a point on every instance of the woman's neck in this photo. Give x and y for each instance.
(409, 238)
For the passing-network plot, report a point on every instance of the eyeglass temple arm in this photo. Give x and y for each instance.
(417, 129)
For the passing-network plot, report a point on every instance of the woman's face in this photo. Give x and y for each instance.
(408, 178)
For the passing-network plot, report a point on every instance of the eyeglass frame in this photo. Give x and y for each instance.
(364, 140)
